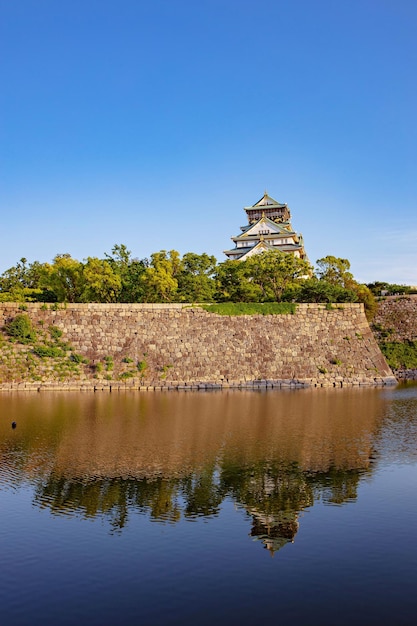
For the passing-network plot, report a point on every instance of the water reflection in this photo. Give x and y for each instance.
(178, 456)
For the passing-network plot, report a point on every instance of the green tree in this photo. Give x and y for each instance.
(335, 271)
(100, 282)
(20, 283)
(315, 290)
(274, 272)
(131, 272)
(64, 278)
(160, 278)
(234, 285)
(195, 278)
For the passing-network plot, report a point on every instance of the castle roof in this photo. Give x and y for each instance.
(262, 246)
(269, 225)
(266, 201)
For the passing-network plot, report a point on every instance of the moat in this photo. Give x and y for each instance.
(200, 507)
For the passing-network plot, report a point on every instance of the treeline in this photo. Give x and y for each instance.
(167, 277)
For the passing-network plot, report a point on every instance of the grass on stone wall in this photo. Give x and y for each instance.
(251, 308)
(29, 353)
(400, 355)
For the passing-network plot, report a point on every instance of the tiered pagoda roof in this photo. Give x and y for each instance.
(269, 228)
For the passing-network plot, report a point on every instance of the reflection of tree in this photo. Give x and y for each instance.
(112, 498)
(337, 485)
(201, 493)
(272, 493)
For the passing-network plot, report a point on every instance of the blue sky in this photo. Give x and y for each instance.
(153, 123)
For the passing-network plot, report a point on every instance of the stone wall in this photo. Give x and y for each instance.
(397, 318)
(182, 345)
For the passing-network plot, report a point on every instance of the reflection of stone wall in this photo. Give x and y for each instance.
(186, 345)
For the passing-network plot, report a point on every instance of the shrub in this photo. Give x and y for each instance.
(77, 358)
(55, 332)
(109, 364)
(400, 355)
(21, 329)
(48, 351)
(128, 374)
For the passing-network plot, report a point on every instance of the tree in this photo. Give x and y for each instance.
(159, 279)
(233, 283)
(64, 278)
(130, 271)
(274, 272)
(195, 278)
(20, 283)
(315, 290)
(100, 282)
(335, 271)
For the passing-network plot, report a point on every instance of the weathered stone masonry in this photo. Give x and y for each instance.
(185, 346)
(396, 320)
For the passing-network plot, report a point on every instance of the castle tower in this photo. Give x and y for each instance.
(268, 228)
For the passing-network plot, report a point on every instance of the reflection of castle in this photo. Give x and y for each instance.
(178, 467)
(274, 530)
(273, 495)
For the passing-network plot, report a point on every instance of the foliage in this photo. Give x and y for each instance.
(334, 271)
(195, 278)
(380, 288)
(64, 278)
(233, 283)
(42, 350)
(164, 370)
(77, 358)
(130, 272)
(109, 364)
(167, 277)
(314, 290)
(128, 374)
(255, 308)
(160, 278)
(366, 296)
(21, 329)
(275, 271)
(400, 355)
(55, 332)
(101, 283)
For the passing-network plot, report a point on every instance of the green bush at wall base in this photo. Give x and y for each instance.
(400, 355)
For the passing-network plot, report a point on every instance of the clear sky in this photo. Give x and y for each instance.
(153, 123)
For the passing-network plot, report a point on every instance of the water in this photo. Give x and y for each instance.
(200, 508)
